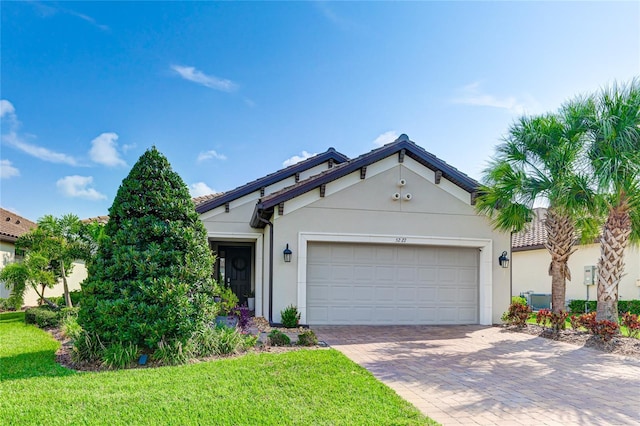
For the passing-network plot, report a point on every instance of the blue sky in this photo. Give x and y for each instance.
(230, 92)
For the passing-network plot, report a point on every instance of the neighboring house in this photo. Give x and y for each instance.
(13, 226)
(390, 237)
(530, 265)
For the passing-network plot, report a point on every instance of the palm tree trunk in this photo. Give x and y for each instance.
(614, 240)
(560, 241)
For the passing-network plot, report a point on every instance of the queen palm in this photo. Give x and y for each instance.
(615, 158)
(540, 161)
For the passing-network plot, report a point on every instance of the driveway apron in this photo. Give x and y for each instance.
(476, 375)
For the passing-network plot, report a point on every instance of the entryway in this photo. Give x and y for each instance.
(234, 269)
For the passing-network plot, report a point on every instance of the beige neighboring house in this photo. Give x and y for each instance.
(13, 226)
(530, 263)
(389, 237)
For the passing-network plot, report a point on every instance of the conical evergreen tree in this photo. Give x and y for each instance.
(151, 280)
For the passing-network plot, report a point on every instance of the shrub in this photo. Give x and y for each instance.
(604, 329)
(244, 318)
(517, 314)
(87, 347)
(150, 281)
(278, 338)
(70, 327)
(120, 355)
(290, 316)
(631, 306)
(577, 306)
(556, 321)
(172, 353)
(42, 316)
(10, 304)
(519, 299)
(632, 322)
(307, 338)
(229, 341)
(575, 322)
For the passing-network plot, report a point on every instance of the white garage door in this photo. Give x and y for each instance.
(389, 284)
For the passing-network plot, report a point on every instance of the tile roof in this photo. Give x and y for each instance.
(534, 236)
(204, 198)
(13, 225)
(265, 207)
(330, 154)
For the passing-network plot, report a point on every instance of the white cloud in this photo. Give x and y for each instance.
(79, 187)
(7, 170)
(210, 81)
(104, 150)
(211, 155)
(6, 108)
(40, 152)
(297, 158)
(13, 138)
(386, 137)
(472, 94)
(199, 189)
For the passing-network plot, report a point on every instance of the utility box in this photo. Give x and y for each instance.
(589, 275)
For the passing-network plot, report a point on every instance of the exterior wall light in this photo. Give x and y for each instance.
(503, 260)
(287, 254)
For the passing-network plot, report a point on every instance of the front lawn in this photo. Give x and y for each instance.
(314, 387)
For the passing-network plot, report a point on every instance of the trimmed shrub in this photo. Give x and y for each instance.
(278, 338)
(631, 306)
(150, 281)
(42, 316)
(290, 316)
(307, 338)
(577, 306)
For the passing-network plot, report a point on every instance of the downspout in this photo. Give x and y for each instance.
(265, 221)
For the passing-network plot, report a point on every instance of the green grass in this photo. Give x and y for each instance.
(312, 387)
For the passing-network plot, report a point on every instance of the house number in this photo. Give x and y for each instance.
(401, 240)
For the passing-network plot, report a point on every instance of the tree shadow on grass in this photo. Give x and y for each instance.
(12, 317)
(32, 364)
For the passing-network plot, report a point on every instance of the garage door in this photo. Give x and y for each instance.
(389, 284)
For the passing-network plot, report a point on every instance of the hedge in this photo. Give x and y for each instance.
(577, 306)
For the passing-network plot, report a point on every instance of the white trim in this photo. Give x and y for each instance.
(258, 239)
(484, 274)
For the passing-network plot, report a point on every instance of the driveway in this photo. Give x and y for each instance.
(476, 375)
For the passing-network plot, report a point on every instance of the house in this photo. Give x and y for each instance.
(530, 263)
(13, 226)
(389, 237)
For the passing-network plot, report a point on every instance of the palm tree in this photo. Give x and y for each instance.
(540, 161)
(615, 158)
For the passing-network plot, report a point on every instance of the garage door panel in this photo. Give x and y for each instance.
(389, 284)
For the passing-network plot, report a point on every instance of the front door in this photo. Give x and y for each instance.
(237, 271)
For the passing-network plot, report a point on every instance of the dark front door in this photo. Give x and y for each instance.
(238, 270)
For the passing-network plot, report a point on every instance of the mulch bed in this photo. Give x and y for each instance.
(260, 325)
(618, 345)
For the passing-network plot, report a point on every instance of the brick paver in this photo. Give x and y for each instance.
(475, 375)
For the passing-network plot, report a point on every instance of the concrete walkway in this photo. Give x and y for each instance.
(475, 375)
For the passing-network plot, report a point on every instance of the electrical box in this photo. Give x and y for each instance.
(589, 275)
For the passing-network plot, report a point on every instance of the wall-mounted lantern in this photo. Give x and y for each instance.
(503, 260)
(287, 254)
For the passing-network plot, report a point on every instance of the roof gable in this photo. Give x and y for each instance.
(401, 146)
(221, 199)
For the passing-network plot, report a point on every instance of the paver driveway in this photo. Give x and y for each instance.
(477, 375)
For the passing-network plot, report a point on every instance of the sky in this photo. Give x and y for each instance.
(232, 91)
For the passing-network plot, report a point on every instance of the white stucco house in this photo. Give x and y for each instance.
(13, 226)
(389, 237)
(530, 263)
